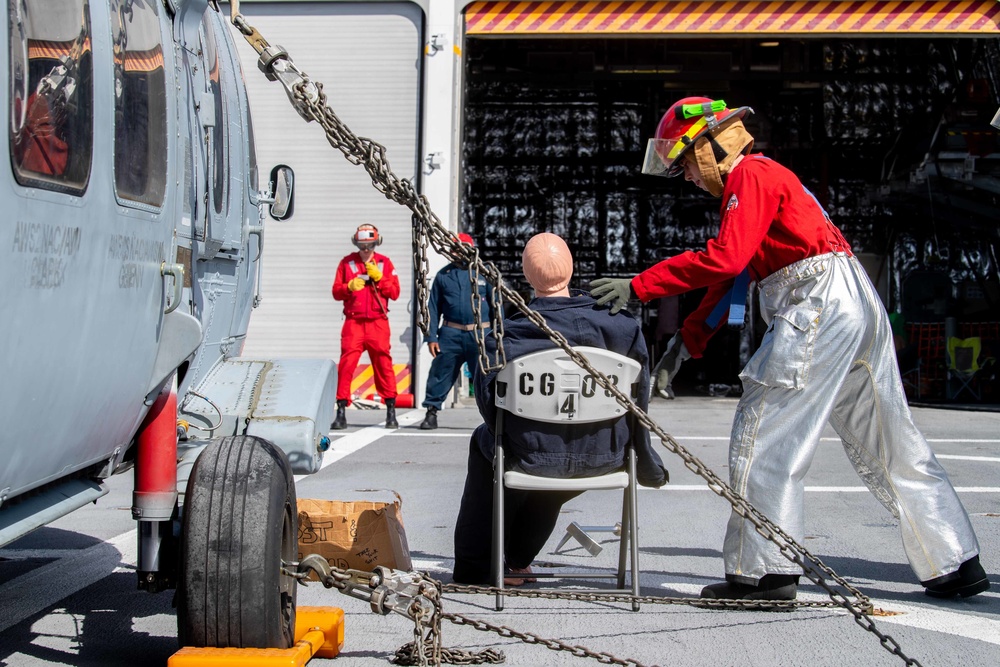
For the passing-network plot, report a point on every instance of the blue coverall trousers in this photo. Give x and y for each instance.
(457, 347)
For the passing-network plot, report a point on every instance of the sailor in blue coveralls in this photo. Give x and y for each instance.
(452, 342)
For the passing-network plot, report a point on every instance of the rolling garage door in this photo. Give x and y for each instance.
(367, 56)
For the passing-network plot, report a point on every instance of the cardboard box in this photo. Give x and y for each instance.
(355, 534)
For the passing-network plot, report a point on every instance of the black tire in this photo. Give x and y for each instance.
(239, 523)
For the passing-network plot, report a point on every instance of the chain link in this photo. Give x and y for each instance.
(404, 656)
(421, 267)
(496, 308)
(530, 638)
(597, 596)
(311, 103)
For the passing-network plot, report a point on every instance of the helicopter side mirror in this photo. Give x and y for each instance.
(282, 192)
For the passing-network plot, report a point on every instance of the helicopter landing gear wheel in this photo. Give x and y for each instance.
(239, 524)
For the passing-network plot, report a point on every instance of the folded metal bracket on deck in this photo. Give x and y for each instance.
(580, 533)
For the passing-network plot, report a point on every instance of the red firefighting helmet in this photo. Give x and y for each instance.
(685, 122)
(366, 237)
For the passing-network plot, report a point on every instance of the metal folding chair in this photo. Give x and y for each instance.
(548, 386)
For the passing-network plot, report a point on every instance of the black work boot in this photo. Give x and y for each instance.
(969, 579)
(430, 421)
(770, 587)
(340, 422)
(390, 413)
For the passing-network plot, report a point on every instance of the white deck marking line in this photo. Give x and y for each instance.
(37, 590)
(726, 438)
(962, 440)
(819, 489)
(925, 618)
(979, 628)
(465, 434)
(352, 442)
(957, 457)
(36, 554)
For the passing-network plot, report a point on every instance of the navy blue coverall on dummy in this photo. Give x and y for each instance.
(550, 450)
(451, 299)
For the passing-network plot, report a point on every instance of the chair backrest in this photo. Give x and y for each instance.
(549, 386)
(963, 354)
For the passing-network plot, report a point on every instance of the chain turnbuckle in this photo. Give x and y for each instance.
(409, 594)
(276, 65)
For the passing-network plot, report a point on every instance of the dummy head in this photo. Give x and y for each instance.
(547, 264)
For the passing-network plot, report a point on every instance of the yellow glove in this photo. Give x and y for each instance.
(356, 283)
(373, 271)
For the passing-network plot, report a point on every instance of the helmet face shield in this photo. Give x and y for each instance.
(662, 157)
(663, 154)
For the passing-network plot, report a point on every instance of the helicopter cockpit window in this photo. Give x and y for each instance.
(140, 102)
(51, 93)
(220, 172)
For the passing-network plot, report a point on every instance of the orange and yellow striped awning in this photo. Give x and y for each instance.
(712, 17)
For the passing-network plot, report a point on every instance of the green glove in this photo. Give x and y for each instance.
(616, 291)
(668, 365)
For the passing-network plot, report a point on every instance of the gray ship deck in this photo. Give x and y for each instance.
(67, 591)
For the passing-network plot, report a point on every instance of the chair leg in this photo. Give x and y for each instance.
(633, 507)
(972, 390)
(625, 543)
(496, 566)
(964, 384)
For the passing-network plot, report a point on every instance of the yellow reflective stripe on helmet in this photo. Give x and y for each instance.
(680, 144)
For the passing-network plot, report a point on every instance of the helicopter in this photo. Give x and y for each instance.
(131, 252)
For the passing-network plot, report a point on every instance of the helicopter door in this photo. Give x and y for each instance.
(216, 244)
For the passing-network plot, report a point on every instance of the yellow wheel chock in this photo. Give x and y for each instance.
(319, 631)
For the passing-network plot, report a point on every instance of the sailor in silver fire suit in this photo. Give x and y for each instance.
(827, 356)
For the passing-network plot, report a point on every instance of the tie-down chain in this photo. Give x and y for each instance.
(310, 102)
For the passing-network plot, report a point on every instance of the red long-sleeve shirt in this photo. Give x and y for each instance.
(372, 302)
(769, 220)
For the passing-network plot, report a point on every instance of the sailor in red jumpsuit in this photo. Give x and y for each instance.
(827, 357)
(366, 281)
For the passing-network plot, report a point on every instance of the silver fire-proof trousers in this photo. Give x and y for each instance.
(828, 356)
